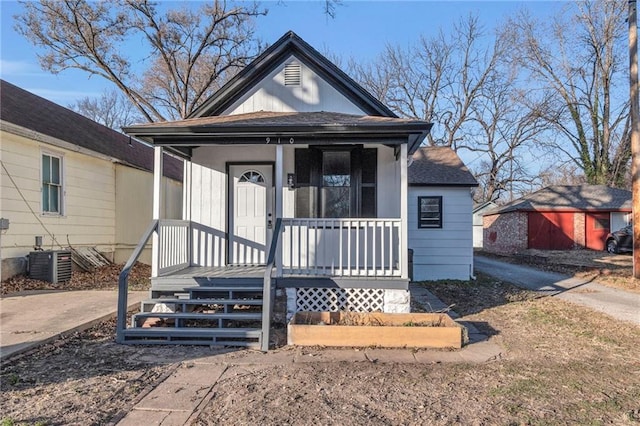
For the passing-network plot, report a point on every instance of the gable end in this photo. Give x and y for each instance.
(275, 56)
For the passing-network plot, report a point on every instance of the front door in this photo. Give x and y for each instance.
(250, 214)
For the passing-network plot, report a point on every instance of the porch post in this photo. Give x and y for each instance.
(186, 190)
(157, 207)
(279, 203)
(404, 217)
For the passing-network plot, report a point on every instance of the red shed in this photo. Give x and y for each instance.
(559, 217)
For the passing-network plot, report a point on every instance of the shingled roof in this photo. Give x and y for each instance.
(22, 108)
(439, 166)
(570, 198)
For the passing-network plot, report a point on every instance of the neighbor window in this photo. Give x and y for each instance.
(429, 212)
(51, 184)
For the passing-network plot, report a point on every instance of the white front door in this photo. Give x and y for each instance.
(250, 215)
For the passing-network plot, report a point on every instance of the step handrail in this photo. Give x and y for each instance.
(123, 280)
(266, 290)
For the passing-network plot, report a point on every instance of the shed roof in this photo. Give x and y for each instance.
(570, 198)
(439, 166)
(22, 108)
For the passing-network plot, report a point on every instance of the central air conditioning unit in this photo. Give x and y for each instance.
(53, 265)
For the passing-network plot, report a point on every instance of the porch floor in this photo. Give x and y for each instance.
(203, 274)
(232, 271)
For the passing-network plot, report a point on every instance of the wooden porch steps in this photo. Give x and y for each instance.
(215, 312)
(244, 337)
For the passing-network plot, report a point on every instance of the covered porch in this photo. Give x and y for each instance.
(311, 207)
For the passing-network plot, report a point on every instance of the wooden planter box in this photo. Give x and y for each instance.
(374, 329)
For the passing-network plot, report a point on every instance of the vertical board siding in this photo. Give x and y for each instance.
(209, 195)
(313, 94)
(445, 253)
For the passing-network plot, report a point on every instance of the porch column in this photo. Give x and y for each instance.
(404, 217)
(186, 190)
(157, 207)
(279, 202)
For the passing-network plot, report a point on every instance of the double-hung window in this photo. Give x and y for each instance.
(51, 184)
(430, 212)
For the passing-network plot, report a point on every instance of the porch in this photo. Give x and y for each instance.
(315, 264)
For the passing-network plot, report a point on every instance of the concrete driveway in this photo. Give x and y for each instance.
(619, 304)
(33, 318)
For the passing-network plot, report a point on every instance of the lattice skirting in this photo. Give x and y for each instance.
(339, 299)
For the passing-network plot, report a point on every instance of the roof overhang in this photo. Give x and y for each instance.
(282, 128)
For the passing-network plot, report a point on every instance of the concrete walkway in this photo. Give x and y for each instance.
(33, 318)
(619, 304)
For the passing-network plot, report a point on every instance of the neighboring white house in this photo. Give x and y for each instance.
(440, 221)
(478, 213)
(73, 181)
(297, 182)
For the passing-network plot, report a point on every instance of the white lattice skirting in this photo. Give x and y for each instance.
(339, 299)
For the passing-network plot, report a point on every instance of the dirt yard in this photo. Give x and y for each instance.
(561, 364)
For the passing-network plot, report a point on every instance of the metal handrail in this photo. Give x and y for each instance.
(266, 290)
(123, 280)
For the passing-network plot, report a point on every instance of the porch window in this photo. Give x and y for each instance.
(51, 184)
(336, 182)
(430, 212)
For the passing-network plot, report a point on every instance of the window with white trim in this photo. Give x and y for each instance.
(430, 212)
(51, 184)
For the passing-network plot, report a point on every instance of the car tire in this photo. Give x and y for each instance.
(612, 246)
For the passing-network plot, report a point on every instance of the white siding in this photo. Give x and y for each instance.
(134, 200)
(445, 253)
(88, 200)
(314, 94)
(208, 196)
(388, 181)
(208, 193)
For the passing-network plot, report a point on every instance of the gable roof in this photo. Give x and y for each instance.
(439, 166)
(24, 109)
(570, 198)
(290, 43)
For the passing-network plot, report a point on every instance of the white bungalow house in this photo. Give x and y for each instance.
(295, 195)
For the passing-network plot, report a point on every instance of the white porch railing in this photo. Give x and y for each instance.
(174, 240)
(317, 247)
(342, 247)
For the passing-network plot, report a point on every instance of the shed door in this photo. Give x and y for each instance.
(550, 230)
(250, 215)
(597, 227)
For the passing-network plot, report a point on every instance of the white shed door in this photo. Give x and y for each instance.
(251, 217)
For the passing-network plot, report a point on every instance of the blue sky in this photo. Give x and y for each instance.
(360, 30)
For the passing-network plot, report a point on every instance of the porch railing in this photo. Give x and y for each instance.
(342, 247)
(174, 238)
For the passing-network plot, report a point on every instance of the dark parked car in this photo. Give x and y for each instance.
(621, 240)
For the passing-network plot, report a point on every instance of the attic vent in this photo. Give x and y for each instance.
(292, 74)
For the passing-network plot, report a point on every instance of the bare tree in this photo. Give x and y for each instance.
(438, 80)
(189, 53)
(506, 132)
(577, 61)
(111, 109)
(464, 84)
